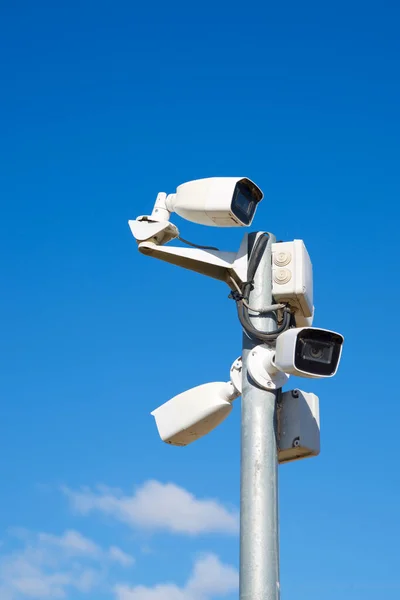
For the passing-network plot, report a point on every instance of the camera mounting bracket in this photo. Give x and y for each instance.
(262, 370)
(213, 263)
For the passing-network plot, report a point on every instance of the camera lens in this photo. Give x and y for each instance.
(318, 351)
(243, 204)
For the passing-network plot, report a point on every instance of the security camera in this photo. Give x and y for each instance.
(308, 352)
(216, 201)
(194, 413)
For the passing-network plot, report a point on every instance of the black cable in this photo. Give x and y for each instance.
(196, 245)
(261, 335)
(254, 260)
(256, 254)
(243, 312)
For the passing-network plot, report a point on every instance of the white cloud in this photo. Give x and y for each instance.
(160, 506)
(119, 556)
(210, 578)
(48, 566)
(72, 542)
(52, 567)
(166, 591)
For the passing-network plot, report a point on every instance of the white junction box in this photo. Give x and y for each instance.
(298, 426)
(292, 277)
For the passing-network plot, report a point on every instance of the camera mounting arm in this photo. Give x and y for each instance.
(153, 231)
(156, 227)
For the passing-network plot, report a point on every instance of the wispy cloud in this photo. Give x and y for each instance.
(210, 579)
(48, 566)
(72, 543)
(121, 557)
(157, 506)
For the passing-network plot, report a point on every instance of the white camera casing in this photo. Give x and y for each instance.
(208, 201)
(194, 413)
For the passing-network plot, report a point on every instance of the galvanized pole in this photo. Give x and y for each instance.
(259, 518)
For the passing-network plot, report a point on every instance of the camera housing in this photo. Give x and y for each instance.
(308, 352)
(194, 413)
(216, 201)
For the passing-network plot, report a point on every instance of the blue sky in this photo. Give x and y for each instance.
(103, 105)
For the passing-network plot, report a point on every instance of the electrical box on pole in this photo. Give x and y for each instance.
(298, 426)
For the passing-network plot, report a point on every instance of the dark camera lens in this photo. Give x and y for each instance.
(318, 351)
(245, 199)
(244, 205)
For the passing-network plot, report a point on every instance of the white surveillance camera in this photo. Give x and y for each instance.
(216, 201)
(308, 352)
(194, 413)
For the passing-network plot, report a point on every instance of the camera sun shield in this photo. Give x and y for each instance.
(246, 196)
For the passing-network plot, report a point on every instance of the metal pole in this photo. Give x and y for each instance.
(259, 534)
